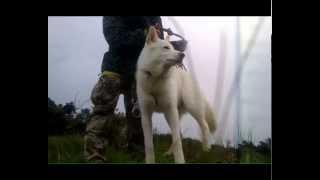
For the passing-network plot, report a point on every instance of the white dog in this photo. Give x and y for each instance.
(161, 87)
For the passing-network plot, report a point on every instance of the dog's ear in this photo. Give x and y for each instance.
(152, 35)
(167, 38)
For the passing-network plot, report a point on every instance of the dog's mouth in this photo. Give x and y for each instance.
(177, 62)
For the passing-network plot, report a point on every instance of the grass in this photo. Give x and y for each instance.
(250, 156)
(69, 149)
(62, 149)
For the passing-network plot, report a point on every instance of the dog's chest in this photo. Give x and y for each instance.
(159, 90)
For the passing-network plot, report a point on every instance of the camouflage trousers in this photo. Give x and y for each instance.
(103, 127)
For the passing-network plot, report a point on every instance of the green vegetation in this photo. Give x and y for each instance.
(65, 142)
(69, 149)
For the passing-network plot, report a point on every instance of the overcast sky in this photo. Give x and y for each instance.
(76, 46)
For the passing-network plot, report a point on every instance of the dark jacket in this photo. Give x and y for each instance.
(126, 38)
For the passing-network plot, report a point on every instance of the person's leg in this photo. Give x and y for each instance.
(135, 133)
(104, 97)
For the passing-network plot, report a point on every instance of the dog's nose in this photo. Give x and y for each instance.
(181, 55)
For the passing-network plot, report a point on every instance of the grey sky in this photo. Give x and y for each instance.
(76, 46)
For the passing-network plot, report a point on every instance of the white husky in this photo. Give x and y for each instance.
(161, 87)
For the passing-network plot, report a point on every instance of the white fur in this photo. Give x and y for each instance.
(162, 87)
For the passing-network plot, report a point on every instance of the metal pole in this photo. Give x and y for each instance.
(234, 88)
(220, 87)
(238, 92)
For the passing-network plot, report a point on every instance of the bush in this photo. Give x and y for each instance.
(56, 119)
(64, 120)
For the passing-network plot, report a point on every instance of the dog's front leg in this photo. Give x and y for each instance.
(147, 132)
(172, 117)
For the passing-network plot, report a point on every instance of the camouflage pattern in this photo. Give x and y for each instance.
(104, 127)
(105, 95)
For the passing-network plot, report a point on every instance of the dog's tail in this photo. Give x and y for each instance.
(210, 118)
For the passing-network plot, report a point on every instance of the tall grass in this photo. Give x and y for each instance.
(62, 149)
(69, 149)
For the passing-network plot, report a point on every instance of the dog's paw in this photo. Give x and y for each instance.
(167, 153)
(206, 148)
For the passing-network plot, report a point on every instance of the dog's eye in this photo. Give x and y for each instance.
(166, 47)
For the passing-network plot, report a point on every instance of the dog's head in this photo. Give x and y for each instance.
(161, 51)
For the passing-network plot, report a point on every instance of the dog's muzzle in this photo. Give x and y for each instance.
(178, 59)
(178, 62)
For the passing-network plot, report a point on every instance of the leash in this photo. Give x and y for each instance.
(170, 33)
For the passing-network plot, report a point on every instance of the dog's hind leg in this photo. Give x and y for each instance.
(170, 150)
(172, 117)
(205, 132)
